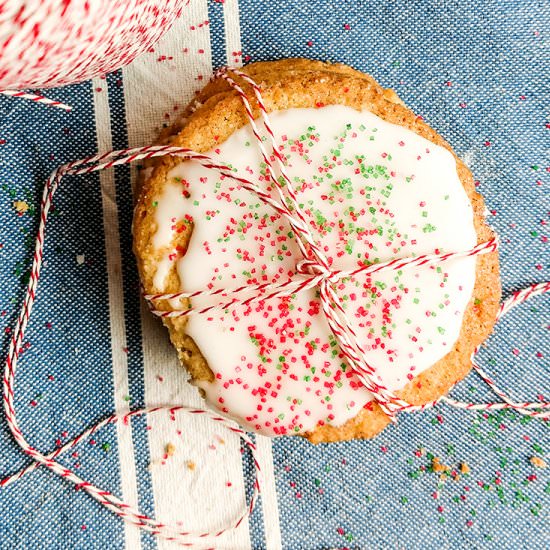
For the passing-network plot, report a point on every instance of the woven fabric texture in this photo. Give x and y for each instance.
(478, 71)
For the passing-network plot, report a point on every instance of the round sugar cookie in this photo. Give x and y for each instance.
(375, 183)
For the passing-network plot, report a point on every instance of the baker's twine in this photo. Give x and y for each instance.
(37, 98)
(47, 43)
(313, 270)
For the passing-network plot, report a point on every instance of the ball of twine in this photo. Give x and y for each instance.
(48, 43)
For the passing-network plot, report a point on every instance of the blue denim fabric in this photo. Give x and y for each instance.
(60, 388)
(478, 71)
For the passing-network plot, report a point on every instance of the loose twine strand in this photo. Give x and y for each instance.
(37, 98)
(312, 271)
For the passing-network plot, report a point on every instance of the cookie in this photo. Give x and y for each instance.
(375, 183)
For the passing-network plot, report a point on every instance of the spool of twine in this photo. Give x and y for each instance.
(49, 43)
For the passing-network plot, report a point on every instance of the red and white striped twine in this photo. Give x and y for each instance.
(37, 98)
(536, 409)
(48, 43)
(312, 270)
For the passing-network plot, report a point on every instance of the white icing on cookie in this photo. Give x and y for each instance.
(373, 191)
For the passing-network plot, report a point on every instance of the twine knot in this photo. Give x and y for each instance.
(316, 268)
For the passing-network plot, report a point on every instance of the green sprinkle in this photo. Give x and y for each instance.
(536, 509)
(429, 228)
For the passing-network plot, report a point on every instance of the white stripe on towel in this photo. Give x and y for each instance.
(232, 33)
(116, 308)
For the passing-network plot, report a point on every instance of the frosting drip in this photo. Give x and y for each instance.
(372, 191)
